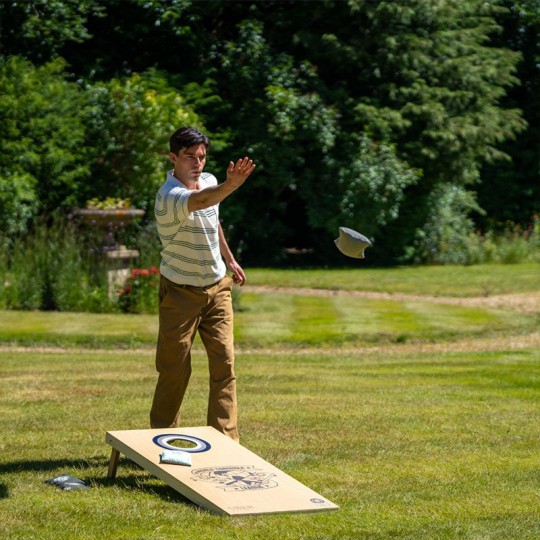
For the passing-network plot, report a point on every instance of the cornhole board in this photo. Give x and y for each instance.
(225, 477)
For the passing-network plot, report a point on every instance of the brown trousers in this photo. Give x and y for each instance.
(184, 310)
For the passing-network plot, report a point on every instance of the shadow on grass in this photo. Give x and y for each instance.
(50, 465)
(143, 482)
(130, 476)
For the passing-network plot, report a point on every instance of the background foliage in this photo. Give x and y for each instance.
(42, 159)
(359, 113)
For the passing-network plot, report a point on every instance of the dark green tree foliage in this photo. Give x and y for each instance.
(356, 111)
(510, 190)
(421, 76)
(128, 122)
(308, 182)
(277, 117)
(42, 141)
(39, 29)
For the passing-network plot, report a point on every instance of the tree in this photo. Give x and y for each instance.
(446, 237)
(510, 190)
(356, 111)
(422, 76)
(277, 116)
(128, 122)
(42, 139)
(39, 29)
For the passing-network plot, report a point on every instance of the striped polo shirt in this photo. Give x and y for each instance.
(190, 241)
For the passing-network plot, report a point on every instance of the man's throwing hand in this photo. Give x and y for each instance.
(238, 172)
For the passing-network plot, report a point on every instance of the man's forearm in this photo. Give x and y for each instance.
(224, 249)
(236, 176)
(238, 274)
(209, 196)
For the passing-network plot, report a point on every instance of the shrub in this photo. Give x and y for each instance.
(51, 268)
(42, 151)
(128, 123)
(511, 243)
(140, 292)
(448, 234)
(373, 186)
(145, 237)
(4, 271)
(57, 266)
(513, 249)
(451, 240)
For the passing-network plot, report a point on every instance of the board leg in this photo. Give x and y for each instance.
(113, 463)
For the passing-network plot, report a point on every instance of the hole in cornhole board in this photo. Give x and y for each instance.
(182, 444)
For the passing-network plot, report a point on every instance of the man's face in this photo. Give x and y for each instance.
(189, 163)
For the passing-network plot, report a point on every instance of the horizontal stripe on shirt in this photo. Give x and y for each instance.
(191, 251)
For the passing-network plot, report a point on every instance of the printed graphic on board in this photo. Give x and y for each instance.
(236, 478)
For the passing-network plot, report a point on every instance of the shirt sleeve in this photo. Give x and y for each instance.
(172, 207)
(178, 201)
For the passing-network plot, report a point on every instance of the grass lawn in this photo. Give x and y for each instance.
(419, 419)
(462, 281)
(408, 445)
(268, 319)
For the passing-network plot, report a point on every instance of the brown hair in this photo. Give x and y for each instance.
(186, 137)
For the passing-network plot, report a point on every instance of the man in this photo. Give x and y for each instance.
(195, 292)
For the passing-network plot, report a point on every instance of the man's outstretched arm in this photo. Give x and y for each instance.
(236, 175)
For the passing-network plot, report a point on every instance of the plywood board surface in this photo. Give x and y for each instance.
(225, 477)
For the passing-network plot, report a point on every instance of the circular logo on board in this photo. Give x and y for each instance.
(164, 442)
